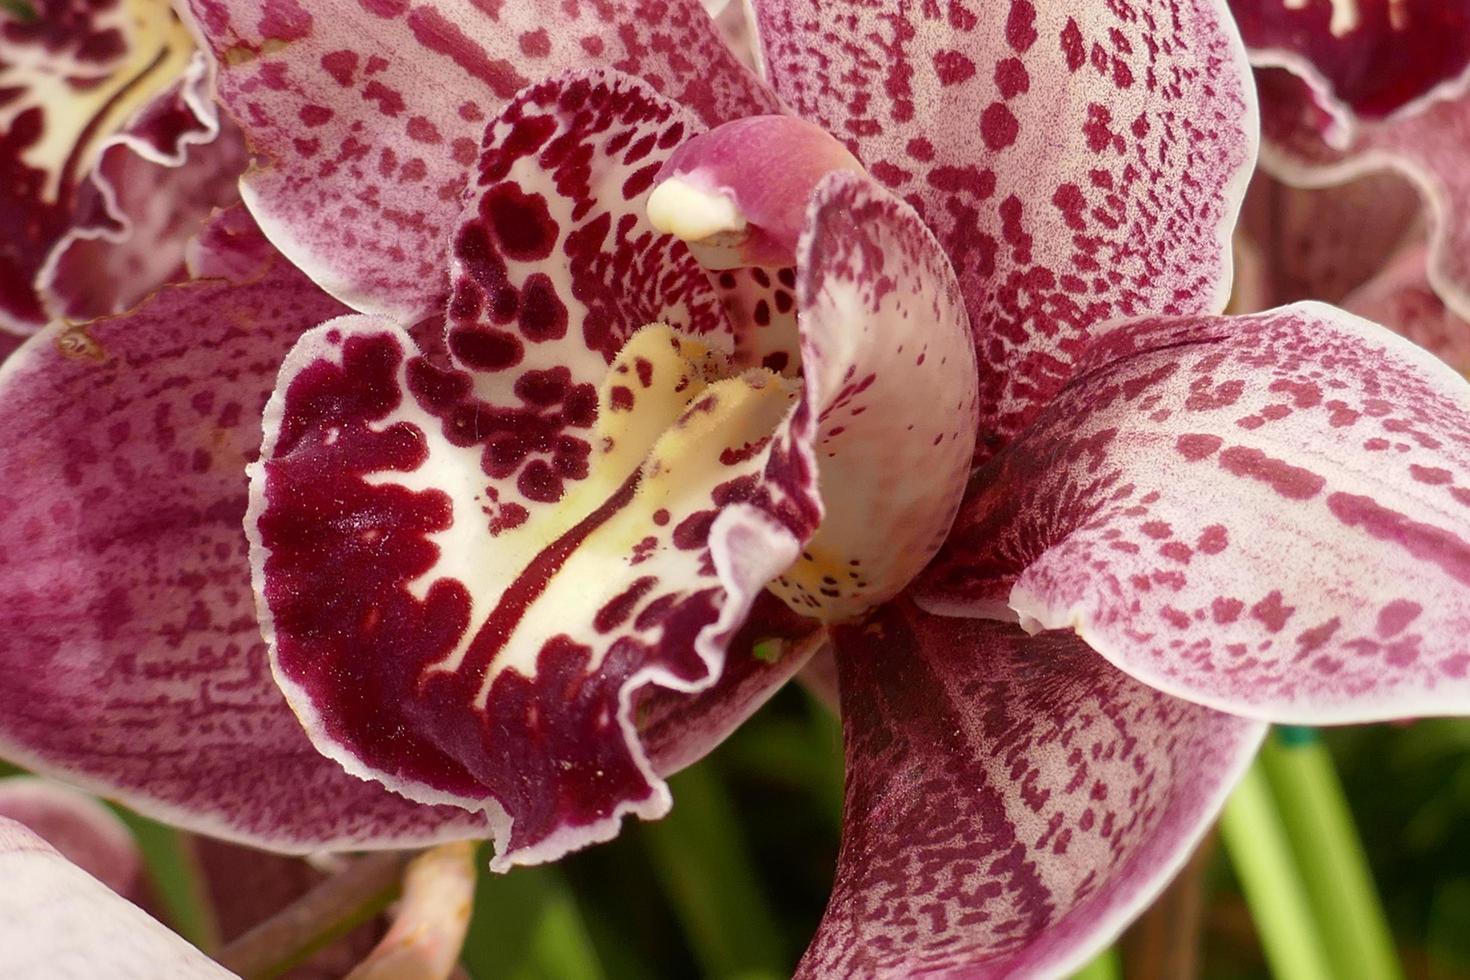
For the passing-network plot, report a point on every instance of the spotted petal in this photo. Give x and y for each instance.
(367, 115)
(588, 497)
(1011, 802)
(58, 921)
(133, 660)
(1268, 514)
(72, 75)
(1077, 162)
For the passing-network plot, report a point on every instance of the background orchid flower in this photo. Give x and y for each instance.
(1351, 88)
(544, 507)
(111, 152)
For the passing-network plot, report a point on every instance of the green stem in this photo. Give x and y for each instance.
(1106, 965)
(331, 909)
(1330, 855)
(699, 856)
(527, 925)
(1257, 843)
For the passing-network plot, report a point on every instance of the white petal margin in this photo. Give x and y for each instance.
(59, 922)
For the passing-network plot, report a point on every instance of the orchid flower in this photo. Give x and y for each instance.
(1353, 87)
(604, 381)
(111, 152)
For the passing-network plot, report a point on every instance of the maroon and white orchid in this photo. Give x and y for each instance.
(111, 152)
(1353, 87)
(604, 381)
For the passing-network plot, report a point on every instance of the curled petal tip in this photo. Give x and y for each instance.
(738, 194)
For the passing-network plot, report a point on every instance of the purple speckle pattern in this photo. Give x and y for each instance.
(1269, 514)
(368, 113)
(1076, 162)
(525, 551)
(881, 318)
(134, 664)
(1011, 801)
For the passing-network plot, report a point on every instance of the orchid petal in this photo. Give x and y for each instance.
(58, 921)
(1011, 802)
(133, 660)
(882, 318)
(1143, 117)
(154, 185)
(86, 832)
(1324, 243)
(72, 76)
(1305, 144)
(1267, 514)
(569, 510)
(368, 115)
(1368, 59)
(773, 645)
(1402, 299)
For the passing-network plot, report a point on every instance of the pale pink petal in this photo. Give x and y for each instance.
(86, 833)
(1402, 299)
(133, 662)
(1012, 802)
(1269, 514)
(879, 316)
(368, 115)
(154, 185)
(58, 921)
(1077, 162)
(581, 502)
(72, 76)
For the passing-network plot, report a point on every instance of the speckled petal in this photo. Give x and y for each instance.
(890, 374)
(1011, 802)
(85, 831)
(133, 661)
(1401, 298)
(1077, 162)
(58, 921)
(583, 501)
(153, 187)
(71, 76)
(1268, 514)
(369, 114)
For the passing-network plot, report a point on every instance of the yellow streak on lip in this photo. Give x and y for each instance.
(77, 122)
